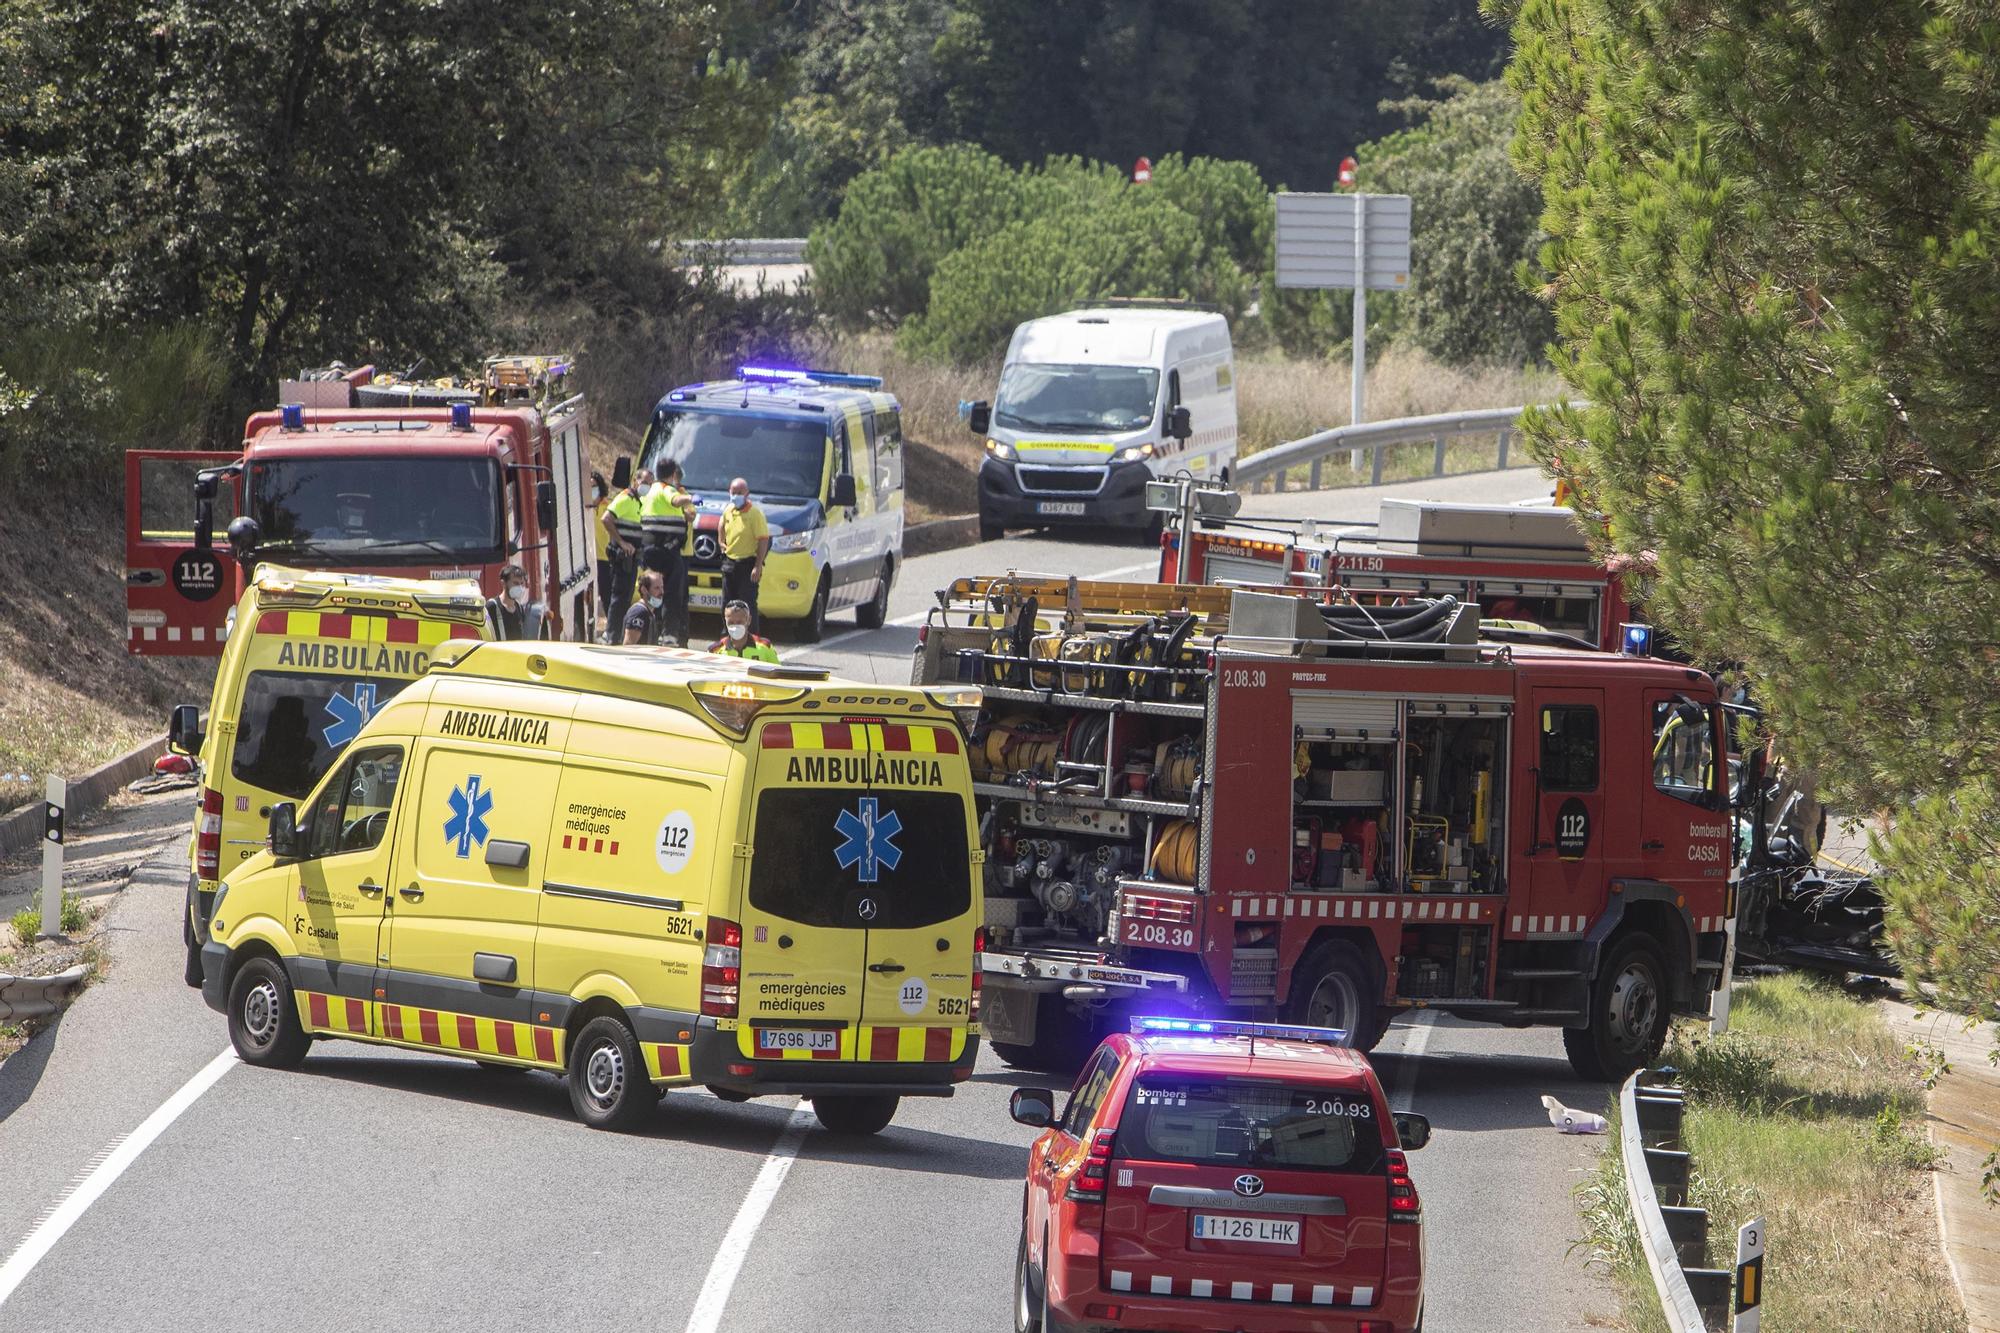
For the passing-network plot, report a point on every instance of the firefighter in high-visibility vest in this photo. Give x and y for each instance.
(621, 518)
(737, 639)
(664, 519)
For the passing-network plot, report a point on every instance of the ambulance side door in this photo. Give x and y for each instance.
(336, 916)
(849, 529)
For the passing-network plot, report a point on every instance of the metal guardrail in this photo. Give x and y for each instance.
(1694, 1297)
(1268, 469)
(744, 250)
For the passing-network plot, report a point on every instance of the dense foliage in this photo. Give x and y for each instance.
(1773, 265)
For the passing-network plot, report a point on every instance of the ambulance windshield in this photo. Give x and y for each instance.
(1036, 396)
(292, 723)
(779, 458)
(866, 858)
(379, 508)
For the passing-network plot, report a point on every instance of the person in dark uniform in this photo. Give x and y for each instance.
(509, 614)
(643, 618)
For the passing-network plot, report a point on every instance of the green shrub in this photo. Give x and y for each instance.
(27, 924)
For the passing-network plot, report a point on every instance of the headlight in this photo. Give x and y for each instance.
(1003, 452)
(793, 541)
(1132, 453)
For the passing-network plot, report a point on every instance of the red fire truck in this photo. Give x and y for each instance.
(366, 473)
(1252, 804)
(1523, 564)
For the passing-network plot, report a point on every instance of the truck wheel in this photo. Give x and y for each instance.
(1628, 1013)
(814, 625)
(871, 614)
(865, 1113)
(990, 529)
(1333, 987)
(264, 1018)
(608, 1088)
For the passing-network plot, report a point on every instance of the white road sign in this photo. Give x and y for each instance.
(1315, 240)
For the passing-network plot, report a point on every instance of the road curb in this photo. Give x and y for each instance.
(38, 997)
(23, 828)
(941, 534)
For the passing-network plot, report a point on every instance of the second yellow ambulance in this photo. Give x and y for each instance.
(637, 867)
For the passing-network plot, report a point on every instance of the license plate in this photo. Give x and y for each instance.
(1073, 508)
(1255, 1230)
(705, 601)
(798, 1039)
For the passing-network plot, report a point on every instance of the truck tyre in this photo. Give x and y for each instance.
(814, 625)
(1628, 1013)
(1333, 987)
(1062, 1041)
(264, 1022)
(872, 613)
(608, 1088)
(863, 1113)
(990, 529)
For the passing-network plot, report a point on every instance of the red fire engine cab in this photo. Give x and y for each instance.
(1254, 804)
(1529, 565)
(365, 473)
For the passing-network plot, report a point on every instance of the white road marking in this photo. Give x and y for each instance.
(735, 1247)
(1416, 1037)
(99, 1176)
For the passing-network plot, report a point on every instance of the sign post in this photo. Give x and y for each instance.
(1361, 241)
(1750, 1240)
(52, 856)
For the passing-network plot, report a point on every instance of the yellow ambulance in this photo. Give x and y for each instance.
(310, 655)
(638, 867)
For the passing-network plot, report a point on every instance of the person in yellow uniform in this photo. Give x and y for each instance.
(600, 495)
(737, 640)
(620, 521)
(746, 540)
(663, 518)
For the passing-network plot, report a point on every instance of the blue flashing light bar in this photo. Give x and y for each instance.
(295, 416)
(1208, 1027)
(1636, 640)
(784, 375)
(461, 416)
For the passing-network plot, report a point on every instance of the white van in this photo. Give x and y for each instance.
(1093, 404)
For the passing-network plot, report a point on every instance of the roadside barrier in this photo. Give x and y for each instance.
(1268, 468)
(37, 997)
(1694, 1297)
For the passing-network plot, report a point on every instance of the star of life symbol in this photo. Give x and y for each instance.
(349, 713)
(869, 840)
(469, 808)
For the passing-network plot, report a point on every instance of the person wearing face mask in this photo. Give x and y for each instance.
(642, 619)
(746, 540)
(600, 495)
(509, 614)
(737, 640)
(621, 523)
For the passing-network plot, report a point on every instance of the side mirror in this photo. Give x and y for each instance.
(980, 417)
(184, 733)
(545, 505)
(284, 826)
(1035, 1107)
(1413, 1131)
(204, 511)
(621, 473)
(1179, 424)
(843, 490)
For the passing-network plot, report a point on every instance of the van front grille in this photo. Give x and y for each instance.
(1073, 480)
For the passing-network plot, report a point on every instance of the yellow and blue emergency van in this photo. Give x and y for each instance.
(822, 452)
(638, 867)
(308, 658)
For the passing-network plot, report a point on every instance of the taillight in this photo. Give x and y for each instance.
(978, 968)
(1404, 1205)
(722, 968)
(208, 836)
(1088, 1187)
(923, 635)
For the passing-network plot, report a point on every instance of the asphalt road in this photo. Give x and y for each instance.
(376, 1189)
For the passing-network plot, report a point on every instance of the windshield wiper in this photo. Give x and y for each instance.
(422, 543)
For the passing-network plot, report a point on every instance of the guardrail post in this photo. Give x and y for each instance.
(1437, 457)
(1689, 1229)
(1660, 1119)
(1669, 1171)
(1712, 1288)
(1375, 475)
(1313, 485)
(52, 856)
(1505, 435)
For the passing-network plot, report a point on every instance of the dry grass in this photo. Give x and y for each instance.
(1808, 1112)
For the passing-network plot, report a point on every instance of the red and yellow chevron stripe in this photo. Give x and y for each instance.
(890, 737)
(411, 1025)
(362, 629)
(869, 1043)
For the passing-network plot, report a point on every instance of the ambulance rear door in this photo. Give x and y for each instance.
(177, 598)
